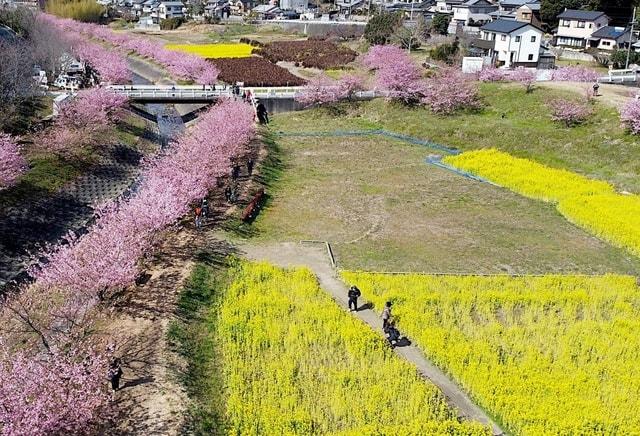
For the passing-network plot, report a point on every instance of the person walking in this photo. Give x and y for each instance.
(596, 86)
(115, 372)
(386, 315)
(393, 334)
(263, 115)
(353, 295)
(250, 166)
(235, 171)
(234, 193)
(205, 208)
(198, 213)
(227, 193)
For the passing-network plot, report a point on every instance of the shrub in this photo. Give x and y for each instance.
(619, 58)
(171, 23)
(524, 76)
(87, 11)
(440, 23)
(630, 116)
(492, 74)
(569, 112)
(445, 52)
(381, 26)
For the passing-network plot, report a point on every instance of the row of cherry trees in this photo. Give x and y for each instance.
(53, 359)
(181, 65)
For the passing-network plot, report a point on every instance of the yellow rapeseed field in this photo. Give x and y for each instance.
(591, 204)
(294, 363)
(214, 51)
(554, 355)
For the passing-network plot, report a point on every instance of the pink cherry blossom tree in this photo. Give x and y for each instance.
(569, 112)
(524, 76)
(630, 116)
(12, 164)
(575, 74)
(320, 90)
(349, 84)
(52, 393)
(449, 91)
(395, 73)
(492, 74)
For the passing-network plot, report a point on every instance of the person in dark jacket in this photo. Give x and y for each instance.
(205, 208)
(386, 315)
(263, 115)
(353, 295)
(115, 372)
(250, 166)
(393, 334)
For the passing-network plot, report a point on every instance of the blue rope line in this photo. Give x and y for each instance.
(435, 161)
(371, 132)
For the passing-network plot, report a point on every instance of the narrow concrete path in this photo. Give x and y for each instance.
(314, 256)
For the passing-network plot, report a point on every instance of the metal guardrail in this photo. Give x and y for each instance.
(620, 76)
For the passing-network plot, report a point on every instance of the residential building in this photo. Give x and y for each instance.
(502, 15)
(611, 38)
(576, 27)
(529, 13)
(266, 12)
(473, 12)
(294, 5)
(170, 9)
(514, 5)
(136, 7)
(510, 43)
(217, 8)
(446, 6)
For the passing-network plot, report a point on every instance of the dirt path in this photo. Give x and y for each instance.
(611, 95)
(315, 257)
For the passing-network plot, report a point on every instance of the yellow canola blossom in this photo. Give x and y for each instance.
(553, 355)
(591, 204)
(294, 363)
(214, 51)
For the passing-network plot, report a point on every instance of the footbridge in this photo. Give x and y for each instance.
(206, 94)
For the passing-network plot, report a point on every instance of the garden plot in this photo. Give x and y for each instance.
(255, 71)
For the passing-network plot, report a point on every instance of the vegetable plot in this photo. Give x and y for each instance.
(311, 53)
(554, 355)
(255, 71)
(294, 363)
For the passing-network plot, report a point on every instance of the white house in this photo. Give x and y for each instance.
(514, 5)
(446, 6)
(611, 38)
(170, 9)
(511, 43)
(575, 27)
(473, 12)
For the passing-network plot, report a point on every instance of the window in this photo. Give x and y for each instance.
(590, 25)
(503, 37)
(530, 57)
(606, 43)
(565, 23)
(580, 25)
(518, 38)
(533, 38)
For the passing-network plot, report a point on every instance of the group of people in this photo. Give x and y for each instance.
(388, 324)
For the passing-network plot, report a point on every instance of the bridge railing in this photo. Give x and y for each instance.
(620, 76)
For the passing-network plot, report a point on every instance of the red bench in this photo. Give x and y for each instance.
(251, 211)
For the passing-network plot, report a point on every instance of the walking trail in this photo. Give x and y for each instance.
(314, 256)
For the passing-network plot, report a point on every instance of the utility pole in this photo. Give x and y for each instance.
(411, 30)
(633, 23)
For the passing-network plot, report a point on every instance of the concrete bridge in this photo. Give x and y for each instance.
(206, 94)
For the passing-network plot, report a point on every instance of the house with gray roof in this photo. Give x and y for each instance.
(611, 38)
(473, 12)
(576, 27)
(510, 43)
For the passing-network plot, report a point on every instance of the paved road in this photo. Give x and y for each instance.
(314, 256)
